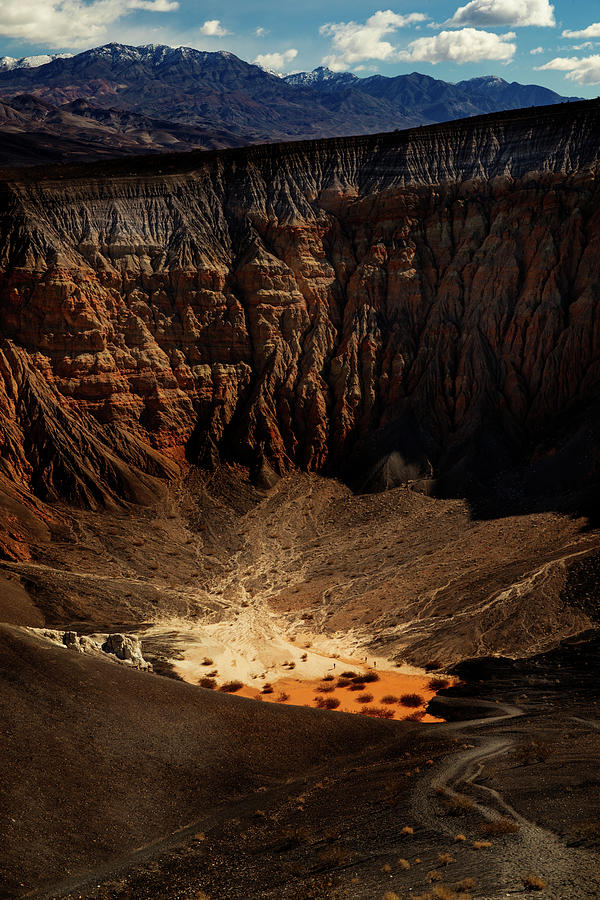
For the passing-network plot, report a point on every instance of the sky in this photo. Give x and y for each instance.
(530, 41)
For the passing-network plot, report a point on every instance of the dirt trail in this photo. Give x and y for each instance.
(570, 872)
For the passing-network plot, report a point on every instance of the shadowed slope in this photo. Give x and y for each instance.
(99, 759)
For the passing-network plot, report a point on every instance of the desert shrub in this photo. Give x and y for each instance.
(445, 859)
(533, 883)
(467, 884)
(291, 665)
(501, 826)
(481, 845)
(325, 688)
(332, 857)
(230, 687)
(386, 868)
(438, 683)
(457, 805)
(207, 661)
(343, 682)
(304, 657)
(434, 875)
(347, 674)
(208, 683)
(416, 716)
(328, 678)
(364, 698)
(442, 892)
(404, 864)
(326, 702)
(532, 752)
(407, 830)
(370, 677)
(282, 697)
(412, 700)
(389, 698)
(356, 686)
(378, 712)
(267, 688)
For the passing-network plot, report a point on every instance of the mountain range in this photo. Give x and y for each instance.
(120, 99)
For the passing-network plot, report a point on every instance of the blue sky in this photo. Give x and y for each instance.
(555, 44)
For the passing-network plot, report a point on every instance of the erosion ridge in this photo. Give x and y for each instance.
(386, 308)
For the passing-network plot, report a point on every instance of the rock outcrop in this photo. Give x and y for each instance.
(122, 648)
(415, 305)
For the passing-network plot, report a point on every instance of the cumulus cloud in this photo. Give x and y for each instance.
(69, 23)
(516, 13)
(592, 31)
(213, 28)
(585, 70)
(276, 61)
(536, 50)
(354, 42)
(261, 32)
(464, 46)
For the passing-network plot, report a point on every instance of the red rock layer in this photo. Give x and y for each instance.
(307, 307)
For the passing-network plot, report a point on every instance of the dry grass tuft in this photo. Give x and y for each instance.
(327, 678)
(416, 716)
(386, 868)
(207, 661)
(533, 883)
(467, 884)
(445, 859)
(460, 837)
(407, 830)
(208, 683)
(369, 677)
(404, 864)
(267, 688)
(481, 845)
(325, 688)
(282, 697)
(434, 875)
(389, 698)
(390, 895)
(364, 698)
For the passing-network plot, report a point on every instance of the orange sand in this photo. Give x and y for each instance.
(303, 693)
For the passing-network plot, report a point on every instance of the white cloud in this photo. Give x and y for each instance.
(276, 61)
(213, 28)
(516, 13)
(261, 32)
(585, 70)
(466, 45)
(69, 23)
(536, 50)
(592, 31)
(587, 45)
(353, 42)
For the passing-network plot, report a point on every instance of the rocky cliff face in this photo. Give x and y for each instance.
(416, 304)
